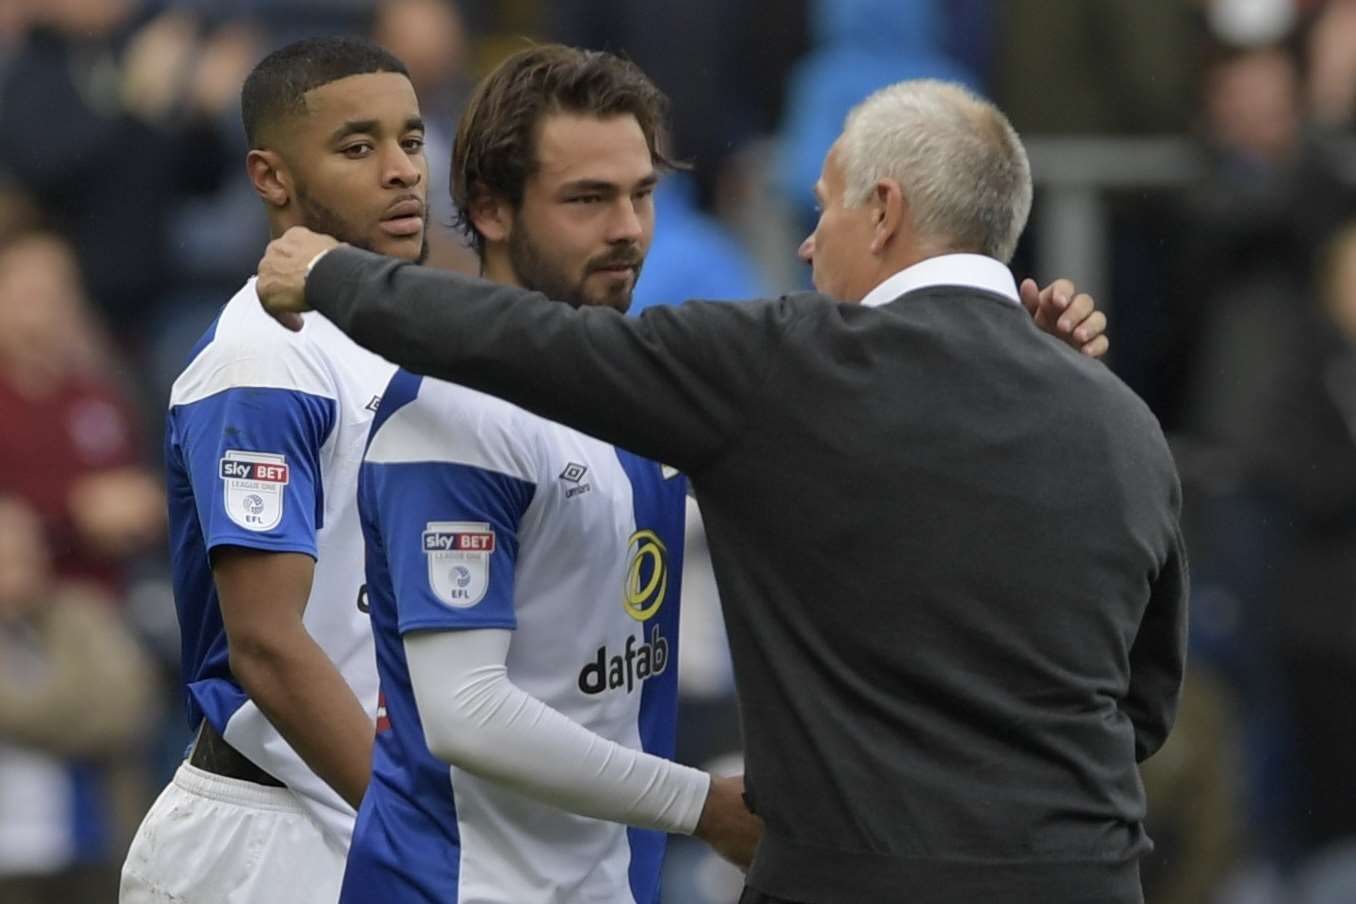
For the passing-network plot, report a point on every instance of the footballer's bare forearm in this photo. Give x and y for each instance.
(302, 694)
(726, 823)
(285, 672)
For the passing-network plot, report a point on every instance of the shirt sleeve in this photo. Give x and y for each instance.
(450, 534)
(477, 719)
(446, 482)
(253, 457)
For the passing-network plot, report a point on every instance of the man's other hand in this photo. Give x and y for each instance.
(726, 823)
(282, 273)
(1070, 316)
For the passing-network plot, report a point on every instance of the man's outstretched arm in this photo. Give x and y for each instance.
(675, 385)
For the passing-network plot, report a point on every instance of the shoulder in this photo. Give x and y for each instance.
(246, 348)
(426, 420)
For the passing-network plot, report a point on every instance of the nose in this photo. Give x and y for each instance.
(626, 224)
(807, 249)
(402, 169)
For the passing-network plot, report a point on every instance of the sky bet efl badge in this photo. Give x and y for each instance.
(255, 482)
(459, 560)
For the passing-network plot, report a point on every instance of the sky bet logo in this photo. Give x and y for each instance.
(458, 541)
(253, 483)
(635, 663)
(459, 554)
(264, 471)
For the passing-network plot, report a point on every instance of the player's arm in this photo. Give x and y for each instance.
(475, 718)
(254, 456)
(285, 672)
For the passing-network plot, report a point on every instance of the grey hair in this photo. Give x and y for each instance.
(956, 157)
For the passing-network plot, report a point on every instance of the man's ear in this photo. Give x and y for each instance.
(889, 213)
(492, 216)
(270, 177)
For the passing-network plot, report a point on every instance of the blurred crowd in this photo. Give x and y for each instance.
(126, 221)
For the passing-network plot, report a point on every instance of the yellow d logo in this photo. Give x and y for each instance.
(647, 577)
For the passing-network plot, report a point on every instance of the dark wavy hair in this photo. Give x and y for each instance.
(495, 151)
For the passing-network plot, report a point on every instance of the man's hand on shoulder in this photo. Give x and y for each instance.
(726, 823)
(283, 271)
(1067, 314)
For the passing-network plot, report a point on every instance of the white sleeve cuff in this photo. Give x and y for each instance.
(310, 265)
(475, 718)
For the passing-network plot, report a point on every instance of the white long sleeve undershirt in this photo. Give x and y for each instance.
(475, 718)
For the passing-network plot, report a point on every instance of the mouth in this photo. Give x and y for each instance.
(403, 219)
(615, 269)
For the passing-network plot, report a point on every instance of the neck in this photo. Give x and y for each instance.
(496, 267)
(280, 223)
(905, 256)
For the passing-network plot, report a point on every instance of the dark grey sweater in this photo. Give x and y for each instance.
(947, 548)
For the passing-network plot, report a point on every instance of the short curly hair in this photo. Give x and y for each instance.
(276, 88)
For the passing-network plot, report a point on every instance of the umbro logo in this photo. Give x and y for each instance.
(574, 473)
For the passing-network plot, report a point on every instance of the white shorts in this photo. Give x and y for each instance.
(214, 840)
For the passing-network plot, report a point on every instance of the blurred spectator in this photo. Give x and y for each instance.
(1270, 198)
(107, 121)
(427, 35)
(70, 447)
(217, 236)
(1238, 315)
(1307, 470)
(75, 698)
(860, 46)
(1331, 52)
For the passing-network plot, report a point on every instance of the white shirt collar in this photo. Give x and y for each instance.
(973, 271)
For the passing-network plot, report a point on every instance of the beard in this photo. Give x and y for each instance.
(538, 271)
(320, 218)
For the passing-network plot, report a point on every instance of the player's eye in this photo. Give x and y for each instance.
(586, 199)
(644, 193)
(413, 145)
(357, 151)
